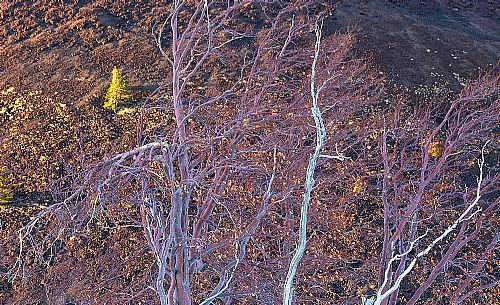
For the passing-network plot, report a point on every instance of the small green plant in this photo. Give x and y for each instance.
(6, 194)
(118, 92)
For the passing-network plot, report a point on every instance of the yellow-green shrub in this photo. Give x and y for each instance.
(118, 92)
(6, 194)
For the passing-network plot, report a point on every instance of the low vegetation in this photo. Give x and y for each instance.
(271, 165)
(6, 193)
(118, 94)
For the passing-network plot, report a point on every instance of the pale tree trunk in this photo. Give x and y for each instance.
(389, 288)
(309, 182)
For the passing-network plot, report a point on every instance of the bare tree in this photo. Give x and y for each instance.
(185, 175)
(430, 209)
(220, 144)
(309, 180)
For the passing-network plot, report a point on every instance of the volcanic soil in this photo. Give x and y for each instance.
(56, 57)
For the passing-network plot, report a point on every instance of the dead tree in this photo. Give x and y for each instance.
(432, 210)
(200, 165)
(316, 113)
(220, 106)
(224, 141)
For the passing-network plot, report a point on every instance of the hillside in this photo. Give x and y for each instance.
(56, 139)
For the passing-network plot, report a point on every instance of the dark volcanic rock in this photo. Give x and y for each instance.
(421, 42)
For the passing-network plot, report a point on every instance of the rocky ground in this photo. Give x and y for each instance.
(56, 58)
(68, 47)
(423, 42)
(59, 54)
